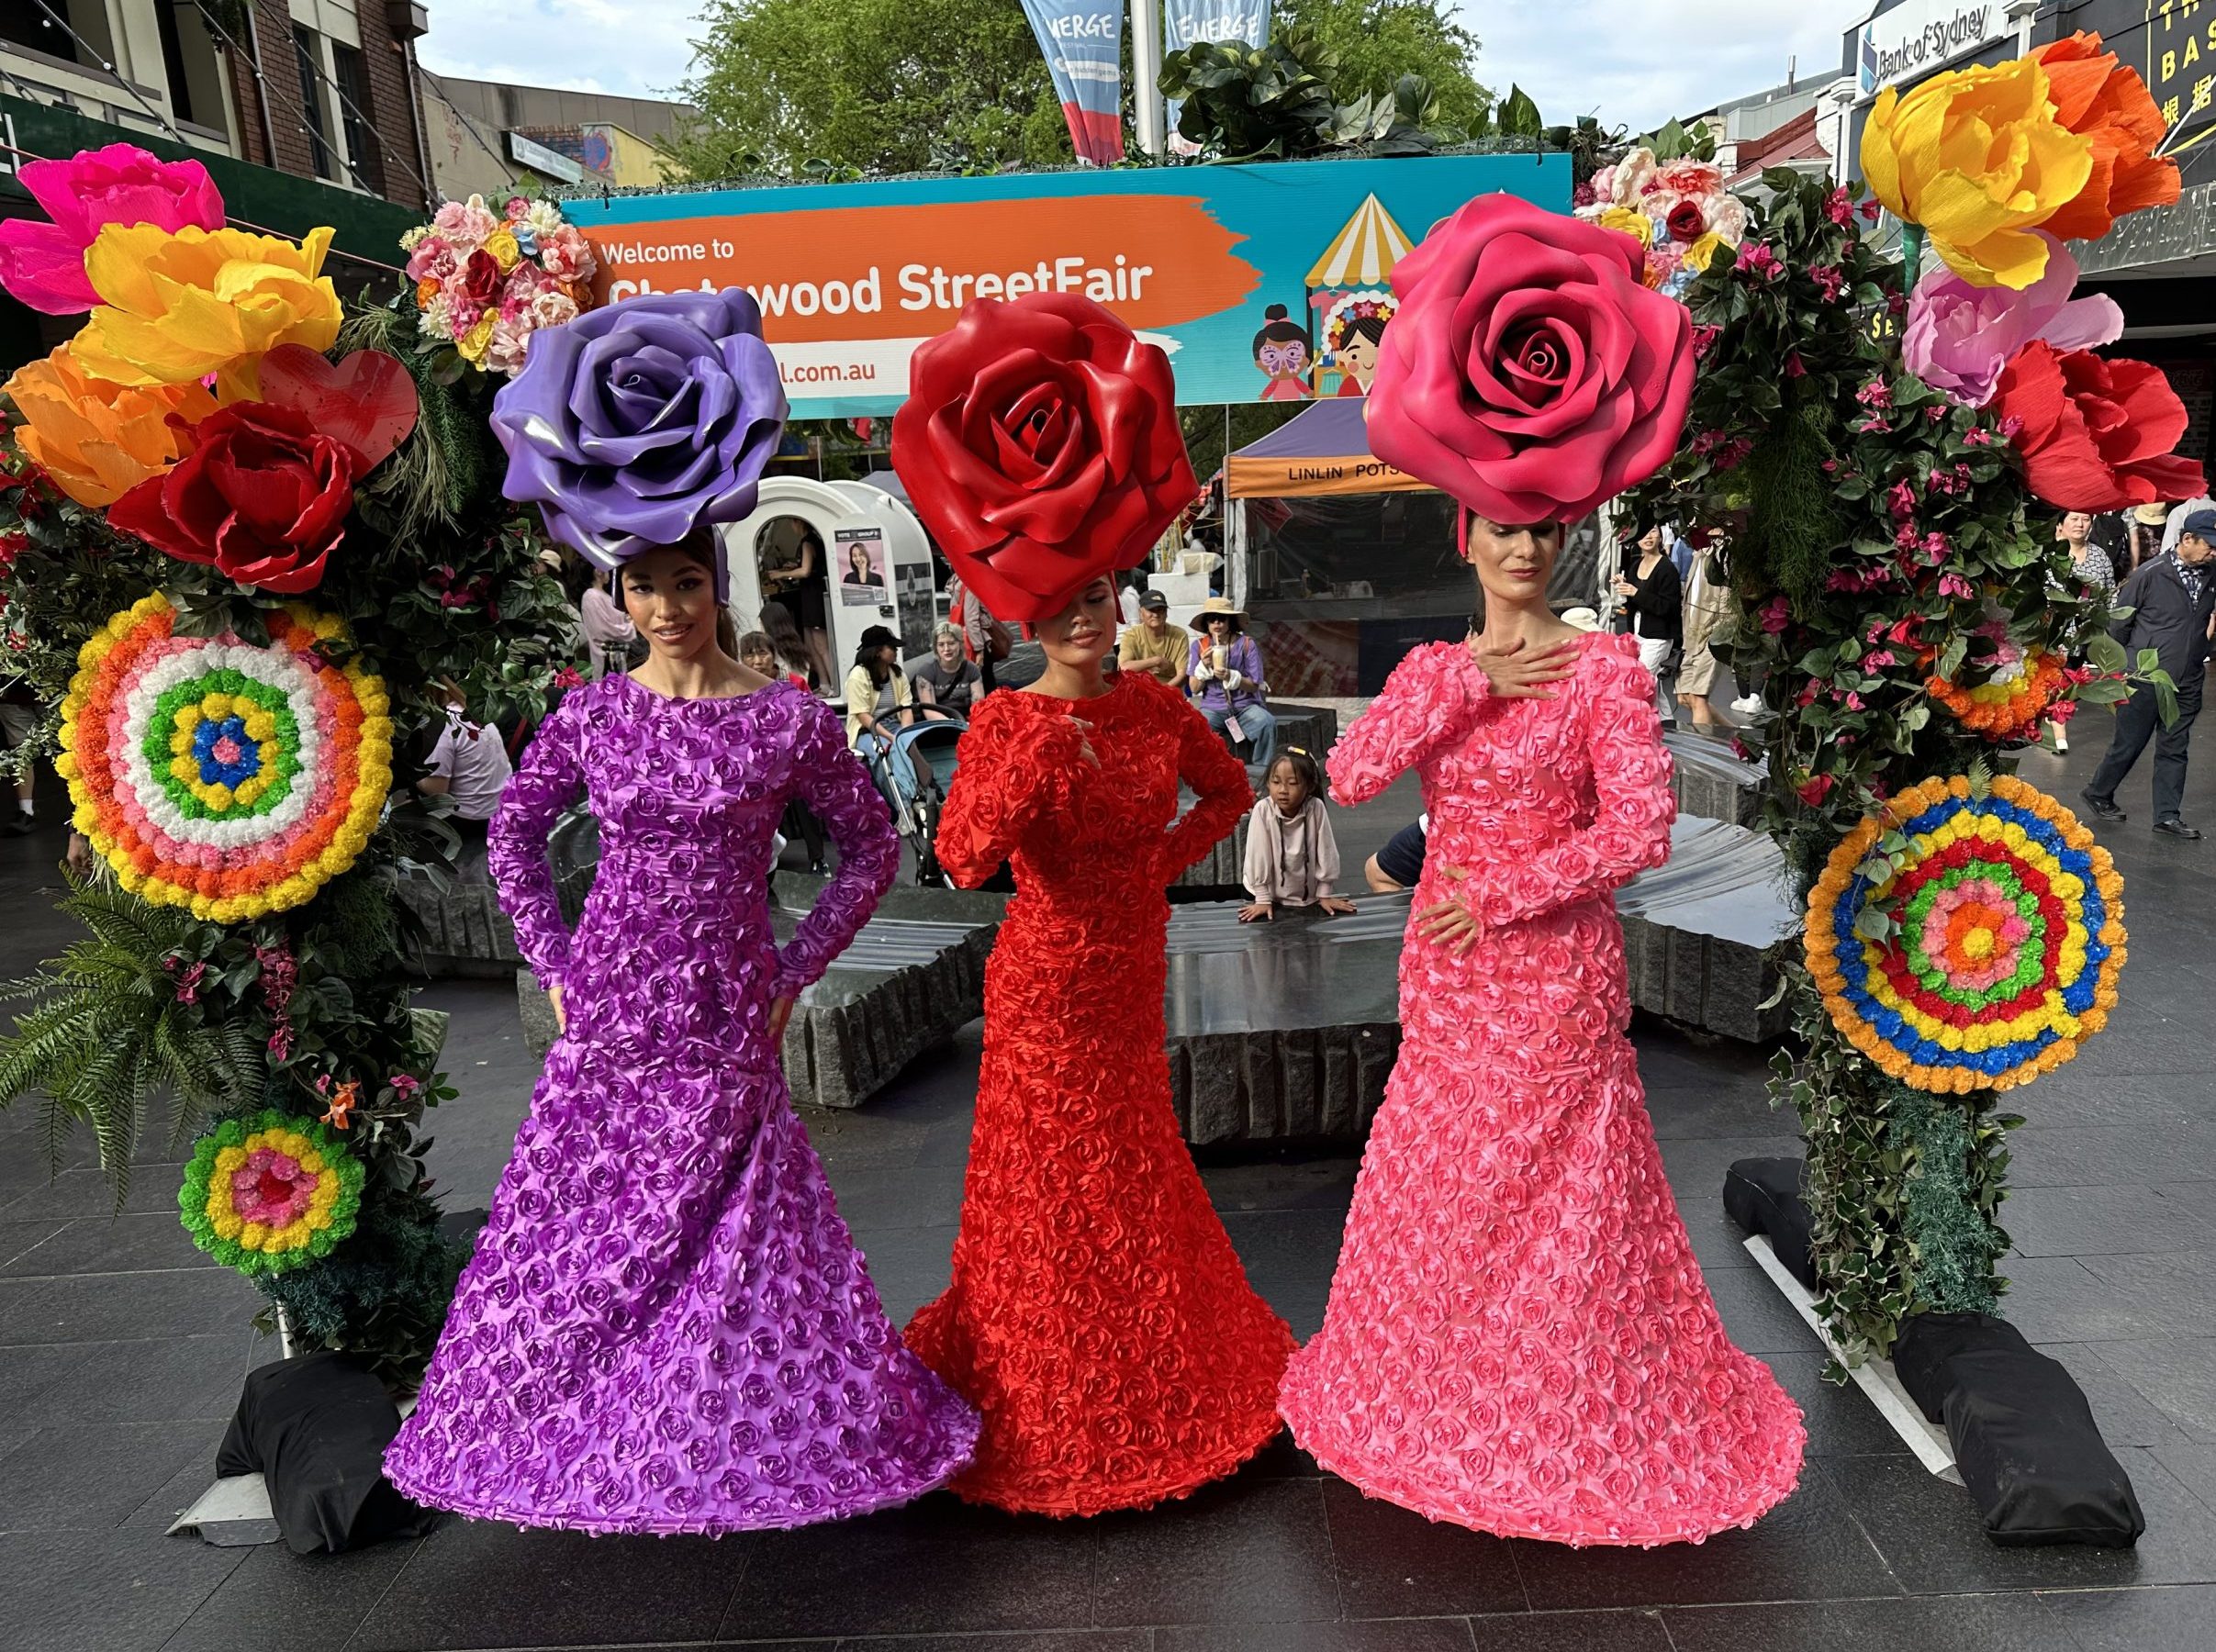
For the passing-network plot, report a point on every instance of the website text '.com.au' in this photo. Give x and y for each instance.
(827, 373)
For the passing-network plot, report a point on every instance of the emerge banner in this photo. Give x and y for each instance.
(1187, 22)
(852, 277)
(1083, 42)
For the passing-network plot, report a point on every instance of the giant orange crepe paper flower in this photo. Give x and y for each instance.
(2108, 105)
(177, 307)
(1978, 157)
(96, 439)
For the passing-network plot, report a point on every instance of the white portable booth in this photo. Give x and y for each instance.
(878, 562)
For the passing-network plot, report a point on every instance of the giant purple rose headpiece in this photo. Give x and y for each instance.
(636, 423)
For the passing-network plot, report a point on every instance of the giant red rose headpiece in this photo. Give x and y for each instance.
(2095, 434)
(1529, 372)
(1039, 443)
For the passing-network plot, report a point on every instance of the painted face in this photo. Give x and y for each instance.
(1085, 631)
(1513, 564)
(1282, 358)
(672, 599)
(1287, 789)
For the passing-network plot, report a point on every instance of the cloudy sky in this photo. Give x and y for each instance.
(1634, 61)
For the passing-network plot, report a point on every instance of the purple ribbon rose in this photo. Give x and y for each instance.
(638, 422)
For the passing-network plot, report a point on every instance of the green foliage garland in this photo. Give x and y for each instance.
(1876, 536)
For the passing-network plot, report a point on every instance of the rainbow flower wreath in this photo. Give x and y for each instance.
(2008, 941)
(218, 774)
(270, 1192)
(2023, 687)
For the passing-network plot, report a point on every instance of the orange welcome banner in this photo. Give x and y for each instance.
(1218, 265)
(901, 271)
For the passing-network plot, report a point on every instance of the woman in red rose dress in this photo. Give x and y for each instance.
(1518, 1339)
(1099, 1318)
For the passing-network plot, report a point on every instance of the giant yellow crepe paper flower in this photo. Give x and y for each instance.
(97, 439)
(176, 306)
(1978, 158)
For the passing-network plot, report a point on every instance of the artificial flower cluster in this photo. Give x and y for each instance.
(1988, 948)
(485, 281)
(1677, 210)
(2021, 688)
(255, 479)
(270, 1192)
(220, 775)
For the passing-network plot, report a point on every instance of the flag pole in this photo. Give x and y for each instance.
(1146, 73)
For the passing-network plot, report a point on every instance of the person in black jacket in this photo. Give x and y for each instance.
(2171, 599)
(1654, 600)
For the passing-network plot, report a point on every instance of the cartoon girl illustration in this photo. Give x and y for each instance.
(1285, 354)
(1356, 323)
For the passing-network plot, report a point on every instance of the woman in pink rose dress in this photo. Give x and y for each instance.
(1517, 1338)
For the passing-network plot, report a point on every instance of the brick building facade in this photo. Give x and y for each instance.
(311, 52)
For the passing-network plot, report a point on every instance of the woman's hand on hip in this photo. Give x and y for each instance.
(1519, 672)
(1449, 922)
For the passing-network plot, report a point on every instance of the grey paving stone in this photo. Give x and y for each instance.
(92, 1479)
(2138, 1620)
(1391, 1635)
(1985, 1622)
(1393, 1563)
(276, 1600)
(105, 1591)
(1242, 1552)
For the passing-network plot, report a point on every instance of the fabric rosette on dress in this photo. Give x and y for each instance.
(1519, 1338)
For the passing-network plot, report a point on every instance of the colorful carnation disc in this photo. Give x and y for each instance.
(270, 1192)
(218, 774)
(2022, 689)
(2009, 940)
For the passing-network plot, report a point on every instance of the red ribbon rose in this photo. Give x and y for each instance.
(1039, 443)
(263, 496)
(2095, 434)
(482, 280)
(1529, 371)
(1688, 223)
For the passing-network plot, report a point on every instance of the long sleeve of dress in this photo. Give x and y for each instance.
(1630, 829)
(1217, 778)
(1429, 698)
(551, 778)
(837, 791)
(1009, 779)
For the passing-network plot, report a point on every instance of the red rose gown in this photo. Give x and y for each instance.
(1518, 1339)
(1098, 1316)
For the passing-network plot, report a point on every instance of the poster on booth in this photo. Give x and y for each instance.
(1262, 283)
(859, 566)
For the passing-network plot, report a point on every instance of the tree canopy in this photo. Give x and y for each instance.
(788, 87)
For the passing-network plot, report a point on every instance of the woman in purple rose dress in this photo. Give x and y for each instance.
(667, 1327)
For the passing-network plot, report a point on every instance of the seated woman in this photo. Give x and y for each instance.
(948, 685)
(878, 701)
(1224, 669)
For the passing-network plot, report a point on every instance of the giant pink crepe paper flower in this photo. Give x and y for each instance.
(1959, 337)
(43, 265)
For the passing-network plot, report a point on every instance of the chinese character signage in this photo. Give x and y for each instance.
(2172, 44)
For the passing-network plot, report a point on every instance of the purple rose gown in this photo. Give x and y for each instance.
(667, 1327)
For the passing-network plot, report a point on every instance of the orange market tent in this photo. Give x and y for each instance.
(1325, 450)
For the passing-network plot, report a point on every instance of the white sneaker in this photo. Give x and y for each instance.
(1747, 704)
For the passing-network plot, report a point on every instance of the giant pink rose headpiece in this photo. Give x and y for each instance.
(1529, 372)
(1959, 337)
(43, 265)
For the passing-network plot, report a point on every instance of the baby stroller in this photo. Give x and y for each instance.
(912, 770)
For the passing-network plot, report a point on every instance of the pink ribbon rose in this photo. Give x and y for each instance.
(1529, 371)
(1959, 337)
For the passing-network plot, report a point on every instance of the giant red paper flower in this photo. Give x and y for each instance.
(2095, 434)
(1039, 443)
(42, 264)
(264, 497)
(1529, 371)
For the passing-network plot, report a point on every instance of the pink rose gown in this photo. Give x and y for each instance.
(1518, 1339)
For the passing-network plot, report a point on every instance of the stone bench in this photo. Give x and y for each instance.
(1711, 781)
